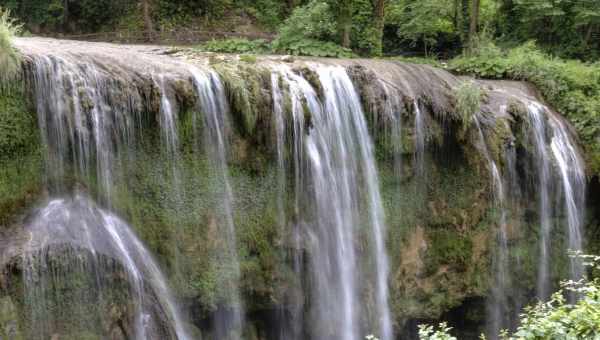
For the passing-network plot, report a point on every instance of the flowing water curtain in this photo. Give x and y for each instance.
(72, 240)
(561, 176)
(345, 183)
(498, 306)
(83, 125)
(214, 108)
(84, 122)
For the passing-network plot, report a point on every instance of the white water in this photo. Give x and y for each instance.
(78, 223)
(77, 121)
(213, 104)
(341, 158)
(419, 141)
(499, 317)
(570, 174)
(537, 120)
(84, 121)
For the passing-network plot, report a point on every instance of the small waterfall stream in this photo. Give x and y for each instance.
(499, 310)
(213, 105)
(570, 173)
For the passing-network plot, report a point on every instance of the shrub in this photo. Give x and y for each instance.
(236, 45)
(555, 319)
(10, 60)
(430, 333)
(310, 31)
(571, 87)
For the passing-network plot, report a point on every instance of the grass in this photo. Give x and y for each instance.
(10, 60)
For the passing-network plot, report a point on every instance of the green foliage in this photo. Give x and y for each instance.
(310, 31)
(571, 87)
(569, 28)
(316, 48)
(430, 333)
(422, 21)
(10, 60)
(468, 102)
(236, 45)
(448, 248)
(555, 319)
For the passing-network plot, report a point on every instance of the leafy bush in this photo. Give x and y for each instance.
(555, 319)
(10, 60)
(310, 31)
(571, 87)
(430, 333)
(236, 45)
(316, 48)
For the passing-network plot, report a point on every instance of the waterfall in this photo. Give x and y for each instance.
(571, 175)
(80, 224)
(542, 159)
(65, 91)
(340, 154)
(419, 141)
(85, 122)
(499, 309)
(213, 104)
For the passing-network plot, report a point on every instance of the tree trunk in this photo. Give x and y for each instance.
(456, 15)
(65, 17)
(379, 22)
(148, 27)
(474, 20)
(464, 29)
(345, 22)
(291, 4)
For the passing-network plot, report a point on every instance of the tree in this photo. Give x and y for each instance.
(474, 20)
(379, 23)
(423, 21)
(147, 15)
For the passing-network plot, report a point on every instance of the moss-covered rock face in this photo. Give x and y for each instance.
(20, 155)
(442, 220)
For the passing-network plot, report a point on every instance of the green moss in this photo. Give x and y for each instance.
(447, 247)
(20, 159)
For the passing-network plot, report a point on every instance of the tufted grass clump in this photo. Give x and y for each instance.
(10, 60)
(468, 102)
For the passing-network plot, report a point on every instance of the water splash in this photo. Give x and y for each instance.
(79, 224)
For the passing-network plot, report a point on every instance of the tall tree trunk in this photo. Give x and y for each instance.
(65, 17)
(379, 22)
(291, 4)
(474, 20)
(345, 22)
(456, 15)
(148, 27)
(464, 30)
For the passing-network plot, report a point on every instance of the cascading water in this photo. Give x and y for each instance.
(80, 117)
(79, 224)
(341, 159)
(499, 316)
(64, 91)
(327, 211)
(543, 170)
(419, 141)
(571, 174)
(213, 105)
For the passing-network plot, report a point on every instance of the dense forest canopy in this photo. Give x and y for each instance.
(568, 28)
